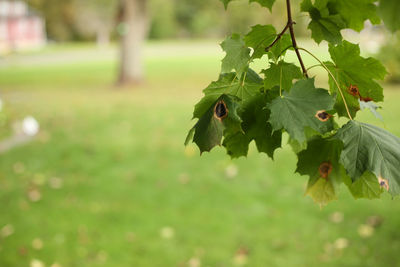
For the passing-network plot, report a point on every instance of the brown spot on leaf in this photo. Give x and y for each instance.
(220, 110)
(322, 115)
(353, 90)
(384, 183)
(325, 169)
(366, 99)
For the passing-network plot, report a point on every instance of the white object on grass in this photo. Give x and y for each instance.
(30, 126)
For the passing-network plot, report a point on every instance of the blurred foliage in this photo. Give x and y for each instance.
(74, 20)
(390, 55)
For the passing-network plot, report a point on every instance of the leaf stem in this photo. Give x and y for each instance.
(317, 65)
(280, 84)
(291, 30)
(244, 78)
(278, 37)
(333, 77)
(284, 50)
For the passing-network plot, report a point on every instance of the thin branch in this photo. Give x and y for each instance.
(278, 37)
(291, 30)
(334, 79)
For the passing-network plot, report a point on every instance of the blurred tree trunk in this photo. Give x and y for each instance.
(102, 36)
(134, 25)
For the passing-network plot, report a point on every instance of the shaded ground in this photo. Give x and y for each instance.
(108, 182)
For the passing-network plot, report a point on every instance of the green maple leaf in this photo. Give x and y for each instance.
(350, 69)
(356, 12)
(389, 11)
(237, 55)
(226, 3)
(281, 74)
(295, 111)
(237, 144)
(367, 186)
(208, 131)
(320, 153)
(325, 24)
(280, 47)
(369, 148)
(259, 38)
(264, 3)
(255, 127)
(297, 146)
(329, 17)
(352, 101)
(229, 84)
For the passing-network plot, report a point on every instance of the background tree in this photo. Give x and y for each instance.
(133, 28)
(95, 18)
(77, 20)
(60, 18)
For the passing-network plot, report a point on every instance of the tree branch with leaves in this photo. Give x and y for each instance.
(243, 106)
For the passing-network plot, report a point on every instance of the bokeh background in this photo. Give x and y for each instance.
(96, 174)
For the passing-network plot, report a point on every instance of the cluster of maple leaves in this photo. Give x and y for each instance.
(242, 106)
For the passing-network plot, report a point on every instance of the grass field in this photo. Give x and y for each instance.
(108, 182)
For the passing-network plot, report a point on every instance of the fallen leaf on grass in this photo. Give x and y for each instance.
(365, 230)
(167, 232)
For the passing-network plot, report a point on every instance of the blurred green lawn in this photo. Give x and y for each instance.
(118, 188)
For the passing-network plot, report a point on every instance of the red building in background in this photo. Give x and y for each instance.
(20, 27)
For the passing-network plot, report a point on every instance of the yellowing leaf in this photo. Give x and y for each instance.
(322, 191)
